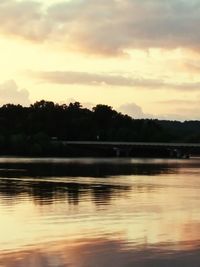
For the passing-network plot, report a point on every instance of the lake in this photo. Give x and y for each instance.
(99, 212)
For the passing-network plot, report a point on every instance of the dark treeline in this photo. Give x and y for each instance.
(30, 130)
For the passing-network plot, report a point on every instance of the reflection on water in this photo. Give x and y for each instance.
(102, 212)
(45, 192)
(80, 167)
(102, 252)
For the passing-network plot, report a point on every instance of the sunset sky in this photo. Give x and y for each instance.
(142, 57)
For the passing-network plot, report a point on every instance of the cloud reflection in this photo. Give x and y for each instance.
(105, 252)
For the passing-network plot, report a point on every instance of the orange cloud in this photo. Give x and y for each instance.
(105, 27)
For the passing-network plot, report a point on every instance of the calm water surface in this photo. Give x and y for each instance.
(99, 212)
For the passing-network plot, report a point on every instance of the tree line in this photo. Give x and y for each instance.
(31, 130)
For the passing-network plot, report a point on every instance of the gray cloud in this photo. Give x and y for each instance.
(11, 94)
(85, 78)
(98, 79)
(134, 111)
(106, 27)
(113, 26)
(180, 110)
(24, 19)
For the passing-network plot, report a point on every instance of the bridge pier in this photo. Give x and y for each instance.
(179, 153)
(118, 152)
(124, 152)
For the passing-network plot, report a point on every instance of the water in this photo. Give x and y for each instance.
(99, 212)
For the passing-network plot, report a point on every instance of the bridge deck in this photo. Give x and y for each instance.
(154, 144)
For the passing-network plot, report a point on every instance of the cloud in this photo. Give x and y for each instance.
(134, 111)
(11, 94)
(100, 79)
(181, 115)
(180, 109)
(112, 27)
(24, 19)
(191, 66)
(85, 78)
(105, 27)
(178, 102)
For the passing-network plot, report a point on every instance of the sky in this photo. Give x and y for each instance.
(142, 57)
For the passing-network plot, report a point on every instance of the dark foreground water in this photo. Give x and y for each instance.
(99, 213)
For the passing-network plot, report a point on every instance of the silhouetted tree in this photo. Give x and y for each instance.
(30, 130)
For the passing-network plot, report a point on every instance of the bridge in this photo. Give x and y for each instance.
(144, 144)
(179, 150)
